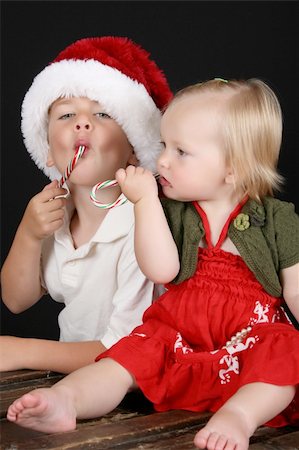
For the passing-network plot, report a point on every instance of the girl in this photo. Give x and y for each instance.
(218, 339)
(104, 93)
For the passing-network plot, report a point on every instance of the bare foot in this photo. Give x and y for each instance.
(225, 430)
(48, 410)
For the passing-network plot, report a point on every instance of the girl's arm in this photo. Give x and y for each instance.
(20, 274)
(290, 285)
(41, 354)
(155, 248)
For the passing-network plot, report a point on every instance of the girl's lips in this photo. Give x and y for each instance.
(164, 182)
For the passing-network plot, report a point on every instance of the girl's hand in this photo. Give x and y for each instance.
(137, 183)
(44, 213)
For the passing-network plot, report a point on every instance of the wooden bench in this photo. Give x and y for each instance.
(132, 426)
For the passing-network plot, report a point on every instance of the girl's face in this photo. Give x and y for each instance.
(192, 164)
(79, 121)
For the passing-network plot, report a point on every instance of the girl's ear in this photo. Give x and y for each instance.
(50, 162)
(133, 160)
(230, 177)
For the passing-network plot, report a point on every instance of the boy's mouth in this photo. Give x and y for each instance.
(82, 143)
(86, 150)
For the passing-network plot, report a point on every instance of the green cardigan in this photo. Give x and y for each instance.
(266, 235)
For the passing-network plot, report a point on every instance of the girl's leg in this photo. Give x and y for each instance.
(89, 392)
(232, 425)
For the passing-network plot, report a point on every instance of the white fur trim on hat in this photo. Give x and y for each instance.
(126, 100)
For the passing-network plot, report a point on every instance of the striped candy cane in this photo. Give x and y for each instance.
(71, 165)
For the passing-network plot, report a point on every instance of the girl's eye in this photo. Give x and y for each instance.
(180, 152)
(103, 115)
(162, 143)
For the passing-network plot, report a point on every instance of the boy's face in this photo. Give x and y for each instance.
(79, 121)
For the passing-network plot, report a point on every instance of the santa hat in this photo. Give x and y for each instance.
(111, 70)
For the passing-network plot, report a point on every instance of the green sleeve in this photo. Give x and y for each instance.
(286, 223)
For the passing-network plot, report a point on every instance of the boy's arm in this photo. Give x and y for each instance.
(133, 296)
(155, 248)
(290, 285)
(20, 274)
(41, 354)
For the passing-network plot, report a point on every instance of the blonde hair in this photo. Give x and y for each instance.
(252, 132)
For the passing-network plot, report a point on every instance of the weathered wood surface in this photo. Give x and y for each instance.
(132, 426)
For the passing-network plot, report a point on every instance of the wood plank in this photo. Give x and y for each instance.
(176, 440)
(11, 391)
(17, 376)
(263, 433)
(98, 435)
(182, 439)
(289, 441)
(173, 430)
(132, 426)
(133, 405)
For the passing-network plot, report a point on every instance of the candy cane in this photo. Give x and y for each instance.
(106, 184)
(121, 200)
(71, 165)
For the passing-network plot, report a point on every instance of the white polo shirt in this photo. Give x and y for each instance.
(104, 291)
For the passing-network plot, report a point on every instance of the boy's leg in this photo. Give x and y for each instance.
(233, 424)
(89, 392)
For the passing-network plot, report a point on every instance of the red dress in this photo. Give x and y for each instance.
(208, 336)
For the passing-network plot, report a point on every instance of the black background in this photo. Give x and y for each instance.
(190, 41)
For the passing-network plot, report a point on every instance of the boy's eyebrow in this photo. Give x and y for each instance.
(59, 102)
(63, 101)
(68, 101)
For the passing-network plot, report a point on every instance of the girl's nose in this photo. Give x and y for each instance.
(163, 160)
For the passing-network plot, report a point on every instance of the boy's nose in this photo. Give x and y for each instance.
(85, 126)
(83, 123)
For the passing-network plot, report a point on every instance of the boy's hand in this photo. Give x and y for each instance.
(137, 183)
(44, 213)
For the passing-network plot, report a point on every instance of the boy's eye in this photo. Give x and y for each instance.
(99, 114)
(66, 116)
(103, 115)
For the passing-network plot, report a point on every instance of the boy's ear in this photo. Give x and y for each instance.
(133, 160)
(50, 162)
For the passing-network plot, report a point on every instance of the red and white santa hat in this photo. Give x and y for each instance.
(114, 71)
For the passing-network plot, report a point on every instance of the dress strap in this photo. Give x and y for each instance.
(223, 233)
